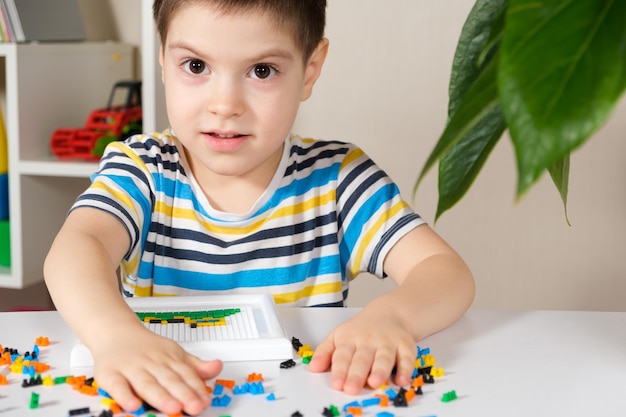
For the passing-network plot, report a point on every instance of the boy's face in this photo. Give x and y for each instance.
(233, 85)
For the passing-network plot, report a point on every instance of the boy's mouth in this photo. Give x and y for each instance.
(225, 140)
(224, 135)
(217, 135)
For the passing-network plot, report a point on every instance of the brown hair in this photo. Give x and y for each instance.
(304, 19)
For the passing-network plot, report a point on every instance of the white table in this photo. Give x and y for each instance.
(500, 363)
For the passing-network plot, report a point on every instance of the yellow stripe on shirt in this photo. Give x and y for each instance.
(191, 214)
(117, 194)
(352, 156)
(371, 233)
(131, 154)
(317, 289)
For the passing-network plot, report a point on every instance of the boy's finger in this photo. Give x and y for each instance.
(118, 388)
(205, 369)
(153, 392)
(323, 356)
(360, 366)
(178, 383)
(405, 363)
(341, 359)
(202, 370)
(320, 362)
(384, 361)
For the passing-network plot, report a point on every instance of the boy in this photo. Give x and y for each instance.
(227, 200)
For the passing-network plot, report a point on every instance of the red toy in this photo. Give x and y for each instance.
(115, 122)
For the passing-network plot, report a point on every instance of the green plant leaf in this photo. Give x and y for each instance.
(460, 166)
(479, 101)
(559, 171)
(475, 121)
(478, 43)
(562, 70)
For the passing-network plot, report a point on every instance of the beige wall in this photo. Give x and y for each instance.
(385, 88)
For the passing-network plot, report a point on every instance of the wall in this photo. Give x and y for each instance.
(118, 20)
(385, 87)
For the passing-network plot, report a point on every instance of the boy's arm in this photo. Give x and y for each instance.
(130, 361)
(432, 280)
(80, 273)
(435, 288)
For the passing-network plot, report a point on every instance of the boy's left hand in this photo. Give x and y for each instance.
(364, 350)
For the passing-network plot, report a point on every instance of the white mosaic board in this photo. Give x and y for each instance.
(249, 330)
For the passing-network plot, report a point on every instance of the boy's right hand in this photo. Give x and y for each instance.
(130, 362)
(146, 367)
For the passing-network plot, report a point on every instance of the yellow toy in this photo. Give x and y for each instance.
(5, 249)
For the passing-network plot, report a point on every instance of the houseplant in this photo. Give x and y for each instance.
(549, 71)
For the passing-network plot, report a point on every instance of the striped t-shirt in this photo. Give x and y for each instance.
(328, 214)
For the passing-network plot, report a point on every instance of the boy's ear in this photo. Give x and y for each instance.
(313, 68)
(161, 60)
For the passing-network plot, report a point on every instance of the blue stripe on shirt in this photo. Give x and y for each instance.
(257, 278)
(318, 178)
(362, 216)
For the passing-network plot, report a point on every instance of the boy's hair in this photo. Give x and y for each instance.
(303, 19)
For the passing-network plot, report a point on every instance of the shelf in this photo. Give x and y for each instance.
(45, 86)
(7, 48)
(56, 168)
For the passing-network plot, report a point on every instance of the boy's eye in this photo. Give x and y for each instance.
(262, 71)
(195, 66)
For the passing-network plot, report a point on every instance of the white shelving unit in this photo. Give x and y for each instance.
(149, 60)
(44, 86)
(154, 113)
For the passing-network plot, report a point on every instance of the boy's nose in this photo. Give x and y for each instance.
(225, 98)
